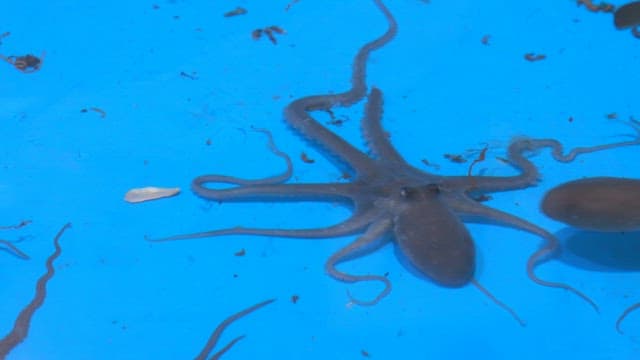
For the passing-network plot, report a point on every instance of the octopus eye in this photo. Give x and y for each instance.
(407, 192)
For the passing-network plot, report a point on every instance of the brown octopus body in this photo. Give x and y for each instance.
(423, 213)
(597, 203)
(606, 204)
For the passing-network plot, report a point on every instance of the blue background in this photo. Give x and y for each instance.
(116, 296)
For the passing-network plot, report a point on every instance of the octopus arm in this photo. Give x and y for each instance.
(470, 209)
(296, 113)
(365, 243)
(280, 192)
(355, 224)
(374, 135)
(529, 174)
(215, 336)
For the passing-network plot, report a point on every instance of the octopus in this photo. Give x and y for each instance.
(603, 204)
(391, 200)
(628, 16)
(597, 204)
(215, 336)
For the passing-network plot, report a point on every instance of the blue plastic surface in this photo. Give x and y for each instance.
(175, 77)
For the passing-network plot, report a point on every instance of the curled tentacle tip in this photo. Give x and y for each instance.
(522, 323)
(593, 304)
(355, 301)
(585, 298)
(152, 239)
(619, 322)
(166, 238)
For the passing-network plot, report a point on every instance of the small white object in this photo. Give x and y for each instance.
(149, 193)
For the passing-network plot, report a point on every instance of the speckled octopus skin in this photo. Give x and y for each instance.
(392, 200)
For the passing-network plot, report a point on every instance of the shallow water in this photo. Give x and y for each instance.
(115, 295)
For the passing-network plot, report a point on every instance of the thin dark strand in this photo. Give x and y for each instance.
(529, 174)
(286, 175)
(14, 250)
(17, 226)
(357, 278)
(215, 336)
(226, 348)
(198, 183)
(626, 313)
(557, 147)
(540, 256)
(351, 226)
(319, 233)
(23, 321)
(499, 303)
